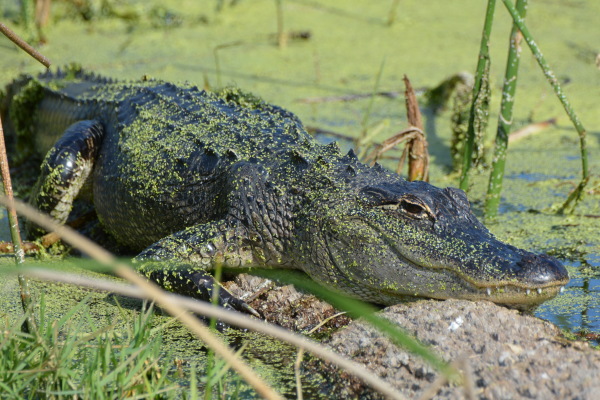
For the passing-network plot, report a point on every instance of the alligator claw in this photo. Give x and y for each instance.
(225, 299)
(242, 306)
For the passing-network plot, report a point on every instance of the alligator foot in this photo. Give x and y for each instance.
(66, 168)
(199, 285)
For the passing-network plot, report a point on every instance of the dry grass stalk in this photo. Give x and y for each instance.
(15, 233)
(391, 142)
(414, 136)
(227, 316)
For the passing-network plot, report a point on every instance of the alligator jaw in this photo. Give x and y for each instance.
(523, 298)
(510, 295)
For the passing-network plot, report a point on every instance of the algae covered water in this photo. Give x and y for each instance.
(328, 68)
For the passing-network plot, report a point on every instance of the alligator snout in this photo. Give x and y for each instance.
(541, 270)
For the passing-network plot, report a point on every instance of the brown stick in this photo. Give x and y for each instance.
(24, 45)
(15, 234)
(391, 142)
(412, 106)
(418, 156)
(42, 12)
(12, 214)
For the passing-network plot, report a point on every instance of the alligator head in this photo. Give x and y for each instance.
(397, 238)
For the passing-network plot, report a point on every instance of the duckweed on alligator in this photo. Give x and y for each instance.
(193, 179)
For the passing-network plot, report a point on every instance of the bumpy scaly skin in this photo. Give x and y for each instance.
(196, 179)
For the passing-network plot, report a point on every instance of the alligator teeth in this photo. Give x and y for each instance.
(539, 291)
(528, 292)
(489, 291)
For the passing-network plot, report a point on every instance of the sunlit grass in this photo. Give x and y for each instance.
(73, 358)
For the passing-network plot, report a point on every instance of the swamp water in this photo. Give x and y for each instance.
(347, 45)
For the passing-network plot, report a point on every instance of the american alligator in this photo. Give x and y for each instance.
(195, 179)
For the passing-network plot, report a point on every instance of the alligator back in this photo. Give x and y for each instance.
(166, 148)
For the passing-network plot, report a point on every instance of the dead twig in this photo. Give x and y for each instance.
(24, 45)
(15, 234)
(391, 142)
(27, 247)
(416, 143)
(418, 155)
(29, 325)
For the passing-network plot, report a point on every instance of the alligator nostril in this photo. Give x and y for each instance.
(541, 269)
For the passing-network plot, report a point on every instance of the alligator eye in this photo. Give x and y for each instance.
(414, 209)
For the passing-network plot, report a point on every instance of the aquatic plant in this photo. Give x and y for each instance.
(519, 29)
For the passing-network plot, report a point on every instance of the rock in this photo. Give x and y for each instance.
(510, 355)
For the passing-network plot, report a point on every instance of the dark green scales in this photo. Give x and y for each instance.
(193, 179)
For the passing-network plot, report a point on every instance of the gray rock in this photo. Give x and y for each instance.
(510, 356)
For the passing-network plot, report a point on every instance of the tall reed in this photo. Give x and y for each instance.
(506, 116)
(505, 120)
(479, 94)
(577, 194)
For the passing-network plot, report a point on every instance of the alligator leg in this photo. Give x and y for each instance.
(66, 168)
(179, 262)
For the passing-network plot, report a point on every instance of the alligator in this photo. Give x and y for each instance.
(193, 179)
